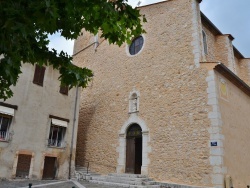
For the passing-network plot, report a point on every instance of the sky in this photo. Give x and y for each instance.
(229, 16)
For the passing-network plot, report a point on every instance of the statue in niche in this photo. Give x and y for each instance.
(133, 102)
(134, 105)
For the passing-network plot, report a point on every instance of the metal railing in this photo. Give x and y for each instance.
(56, 143)
(4, 135)
(87, 166)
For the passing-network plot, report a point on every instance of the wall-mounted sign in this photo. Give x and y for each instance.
(213, 143)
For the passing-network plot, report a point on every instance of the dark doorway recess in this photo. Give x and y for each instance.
(134, 149)
(49, 170)
(23, 166)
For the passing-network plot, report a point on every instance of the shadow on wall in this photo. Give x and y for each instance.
(85, 116)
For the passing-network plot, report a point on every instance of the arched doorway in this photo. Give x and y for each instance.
(134, 149)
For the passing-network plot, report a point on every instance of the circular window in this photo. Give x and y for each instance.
(136, 45)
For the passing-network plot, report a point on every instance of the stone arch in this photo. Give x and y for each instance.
(133, 119)
(121, 149)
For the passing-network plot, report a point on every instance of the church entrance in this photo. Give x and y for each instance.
(134, 149)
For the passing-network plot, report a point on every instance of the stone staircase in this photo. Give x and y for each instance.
(81, 173)
(125, 180)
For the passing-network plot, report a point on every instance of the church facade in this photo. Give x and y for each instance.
(173, 105)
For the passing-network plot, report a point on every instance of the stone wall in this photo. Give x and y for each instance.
(224, 52)
(173, 97)
(220, 49)
(244, 70)
(211, 48)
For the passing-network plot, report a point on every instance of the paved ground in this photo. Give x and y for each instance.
(49, 184)
(36, 183)
(93, 185)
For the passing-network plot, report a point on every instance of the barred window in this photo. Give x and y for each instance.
(56, 136)
(4, 127)
(57, 132)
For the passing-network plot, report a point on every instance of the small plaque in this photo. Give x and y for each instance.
(213, 143)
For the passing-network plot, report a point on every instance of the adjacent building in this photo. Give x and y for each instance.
(173, 105)
(37, 138)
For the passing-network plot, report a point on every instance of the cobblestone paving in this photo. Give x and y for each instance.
(25, 183)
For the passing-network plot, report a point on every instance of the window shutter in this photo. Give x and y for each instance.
(64, 90)
(36, 75)
(41, 78)
(39, 75)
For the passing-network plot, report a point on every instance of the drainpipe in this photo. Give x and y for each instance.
(73, 131)
(74, 121)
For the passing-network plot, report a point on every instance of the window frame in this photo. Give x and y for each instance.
(58, 143)
(132, 49)
(61, 124)
(6, 136)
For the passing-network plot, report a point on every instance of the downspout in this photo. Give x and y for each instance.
(73, 131)
(76, 100)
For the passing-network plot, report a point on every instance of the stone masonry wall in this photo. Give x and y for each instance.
(244, 70)
(173, 98)
(220, 49)
(211, 41)
(224, 52)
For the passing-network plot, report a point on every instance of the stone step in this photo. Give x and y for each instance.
(125, 180)
(81, 169)
(145, 186)
(110, 183)
(150, 183)
(124, 184)
(91, 173)
(128, 175)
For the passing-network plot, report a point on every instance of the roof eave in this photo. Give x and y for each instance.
(227, 73)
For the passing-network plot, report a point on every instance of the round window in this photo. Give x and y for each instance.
(136, 45)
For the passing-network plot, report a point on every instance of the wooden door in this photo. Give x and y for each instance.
(49, 170)
(130, 155)
(23, 166)
(138, 155)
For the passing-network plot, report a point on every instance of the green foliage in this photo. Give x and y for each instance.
(26, 24)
